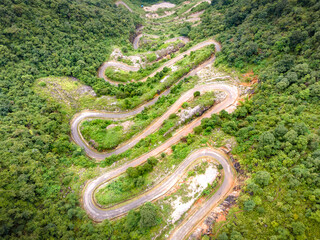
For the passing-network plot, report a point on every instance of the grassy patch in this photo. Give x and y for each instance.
(123, 76)
(104, 139)
(204, 100)
(72, 95)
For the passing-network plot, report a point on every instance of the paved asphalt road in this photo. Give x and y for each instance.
(99, 214)
(78, 118)
(185, 228)
(170, 63)
(232, 95)
(123, 4)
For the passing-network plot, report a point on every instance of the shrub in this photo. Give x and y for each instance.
(196, 94)
(185, 105)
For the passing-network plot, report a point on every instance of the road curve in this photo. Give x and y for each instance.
(232, 95)
(137, 39)
(123, 4)
(171, 62)
(185, 228)
(99, 214)
(88, 200)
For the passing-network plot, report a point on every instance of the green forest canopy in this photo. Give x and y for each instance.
(277, 130)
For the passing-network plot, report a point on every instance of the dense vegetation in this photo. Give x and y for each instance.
(125, 187)
(277, 130)
(37, 39)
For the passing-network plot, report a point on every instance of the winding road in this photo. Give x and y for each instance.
(170, 63)
(229, 103)
(231, 92)
(123, 4)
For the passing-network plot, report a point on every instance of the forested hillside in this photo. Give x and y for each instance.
(43, 38)
(277, 130)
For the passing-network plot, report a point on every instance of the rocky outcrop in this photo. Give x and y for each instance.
(168, 50)
(189, 112)
(217, 215)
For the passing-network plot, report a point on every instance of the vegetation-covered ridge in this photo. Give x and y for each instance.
(39, 164)
(276, 130)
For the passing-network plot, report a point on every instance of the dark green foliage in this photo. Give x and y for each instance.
(133, 219)
(135, 172)
(38, 39)
(196, 94)
(148, 216)
(277, 130)
(262, 178)
(249, 205)
(185, 31)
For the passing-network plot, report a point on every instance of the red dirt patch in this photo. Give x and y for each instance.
(168, 151)
(221, 218)
(251, 79)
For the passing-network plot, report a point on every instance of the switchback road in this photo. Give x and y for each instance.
(229, 103)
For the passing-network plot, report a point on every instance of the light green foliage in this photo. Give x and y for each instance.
(105, 139)
(206, 100)
(185, 105)
(151, 57)
(127, 186)
(108, 139)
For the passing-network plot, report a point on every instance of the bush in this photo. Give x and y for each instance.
(196, 94)
(249, 205)
(198, 129)
(148, 216)
(172, 116)
(185, 105)
(42, 84)
(262, 178)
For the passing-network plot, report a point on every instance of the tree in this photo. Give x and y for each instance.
(132, 220)
(262, 178)
(301, 128)
(297, 37)
(235, 235)
(291, 136)
(223, 236)
(249, 205)
(292, 77)
(283, 84)
(254, 188)
(315, 90)
(316, 216)
(298, 228)
(266, 139)
(251, 48)
(280, 131)
(148, 215)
